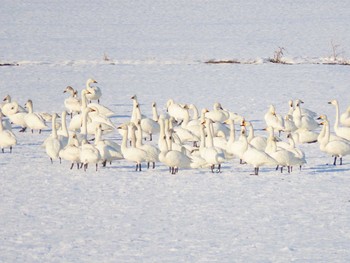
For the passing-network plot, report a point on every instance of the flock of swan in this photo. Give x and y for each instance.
(187, 138)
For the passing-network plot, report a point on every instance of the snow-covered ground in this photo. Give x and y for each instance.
(157, 50)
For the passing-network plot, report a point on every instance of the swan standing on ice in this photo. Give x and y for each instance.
(94, 93)
(72, 103)
(71, 151)
(273, 119)
(7, 138)
(52, 143)
(33, 120)
(132, 154)
(334, 148)
(175, 110)
(343, 132)
(89, 154)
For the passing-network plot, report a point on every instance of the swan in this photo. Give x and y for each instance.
(253, 156)
(236, 147)
(273, 119)
(185, 132)
(89, 154)
(284, 158)
(259, 142)
(174, 159)
(289, 125)
(334, 148)
(17, 116)
(72, 103)
(217, 114)
(94, 93)
(306, 112)
(175, 110)
(33, 120)
(345, 118)
(7, 138)
(106, 149)
(332, 137)
(7, 106)
(304, 121)
(52, 144)
(296, 151)
(151, 150)
(71, 152)
(211, 154)
(343, 132)
(132, 154)
(148, 125)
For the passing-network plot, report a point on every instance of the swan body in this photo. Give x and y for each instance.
(71, 152)
(253, 156)
(7, 138)
(334, 148)
(259, 142)
(218, 114)
(273, 119)
(304, 136)
(132, 154)
(52, 144)
(343, 132)
(94, 93)
(304, 121)
(89, 154)
(175, 110)
(305, 112)
(33, 120)
(72, 103)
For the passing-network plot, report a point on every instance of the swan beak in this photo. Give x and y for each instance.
(133, 97)
(329, 102)
(94, 81)
(319, 118)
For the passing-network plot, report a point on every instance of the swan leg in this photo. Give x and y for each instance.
(104, 163)
(176, 170)
(335, 160)
(10, 149)
(219, 168)
(341, 161)
(2, 149)
(137, 167)
(85, 166)
(281, 169)
(147, 165)
(23, 129)
(154, 165)
(51, 160)
(277, 167)
(78, 164)
(71, 167)
(170, 169)
(60, 160)
(212, 168)
(288, 169)
(32, 131)
(96, 166)
(39, 131)
(150, 136)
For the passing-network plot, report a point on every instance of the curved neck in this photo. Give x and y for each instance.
(336, 124)
(232, 133)
(195, 112)
(83, 100)
(251, 133)
(155, 113)
(202, 142)
(138, 136)
(210, 141)
(54, 130)
(64, 125)
(83, 129)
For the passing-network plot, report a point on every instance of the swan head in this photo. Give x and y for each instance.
(154, 104)
(322, 117)
(90, 81)
(290, 103)
(298, 102)
(272, 110)
(134, 97)
(28, 104)
(69, 89)
(333, 102)
(7, 98)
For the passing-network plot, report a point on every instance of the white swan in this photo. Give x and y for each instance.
(322, 134)
(94, 93)
(7, 138)
(343, 132)
(284, 158)
(132, 154)
(89, 154)
(334, 148)
(259, 142)
(52, 143)
(211, 154)
(71, 152)
(253, 156)
(151, 150)
(345, 118)
(305, 112)
(175, 110)
(289, 125)
(304, 121)
(273, 119)
(7, 106)
(218, 114)
(72, 103)
(107, 151)
(33, 120)
(148, 125)
(17, 116)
